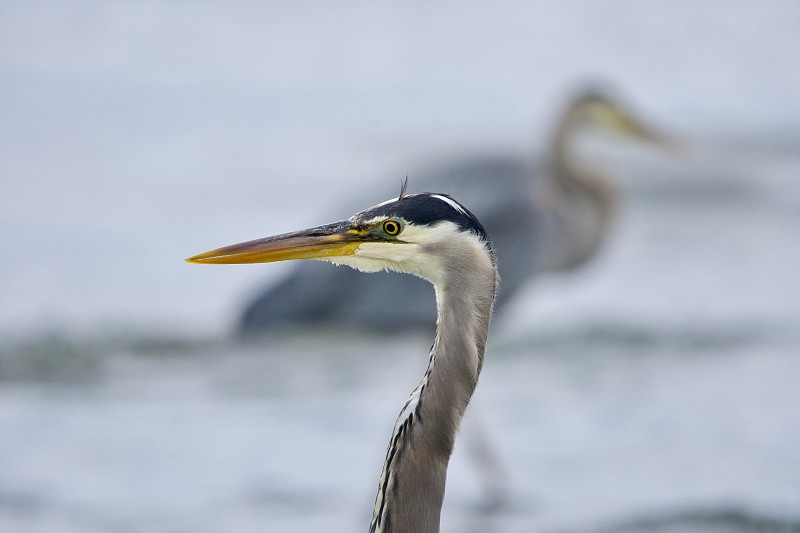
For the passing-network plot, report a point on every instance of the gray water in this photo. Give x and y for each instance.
(654, 390)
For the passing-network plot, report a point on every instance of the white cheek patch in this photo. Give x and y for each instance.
(426, 235)
(389, 252)
(376, 256)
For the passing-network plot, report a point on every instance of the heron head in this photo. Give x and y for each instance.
(423, 234)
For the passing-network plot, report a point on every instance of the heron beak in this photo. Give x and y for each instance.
(332, 240)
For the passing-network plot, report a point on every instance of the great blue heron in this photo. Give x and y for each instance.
(552, 218)
(434, 237)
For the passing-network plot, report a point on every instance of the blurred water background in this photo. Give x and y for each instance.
(655, 389)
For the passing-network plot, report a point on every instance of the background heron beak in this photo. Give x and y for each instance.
(331, 240)
(629, 126)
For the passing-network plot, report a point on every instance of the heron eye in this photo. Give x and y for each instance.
(391, 227)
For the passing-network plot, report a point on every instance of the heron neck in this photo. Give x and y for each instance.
(411, 489)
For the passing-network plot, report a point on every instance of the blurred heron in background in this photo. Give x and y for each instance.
(551, 220)
(437, 239)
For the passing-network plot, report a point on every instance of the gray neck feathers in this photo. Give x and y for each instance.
(411, 488)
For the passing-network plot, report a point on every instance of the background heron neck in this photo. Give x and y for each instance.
(562, 141)
(581, 200)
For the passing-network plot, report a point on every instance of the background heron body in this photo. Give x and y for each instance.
(434, 237)
(554, 217)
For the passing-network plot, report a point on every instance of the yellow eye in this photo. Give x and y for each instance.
(391, 227)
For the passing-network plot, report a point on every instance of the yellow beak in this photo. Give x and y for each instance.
(332, 240)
